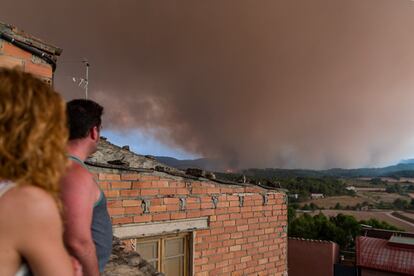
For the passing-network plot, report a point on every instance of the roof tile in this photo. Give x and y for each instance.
(379, 254)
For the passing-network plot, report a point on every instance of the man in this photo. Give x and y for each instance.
(88, 228)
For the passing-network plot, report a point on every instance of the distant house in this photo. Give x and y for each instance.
(295, 196)
(317, 196)
(350, 188)
(30, 54)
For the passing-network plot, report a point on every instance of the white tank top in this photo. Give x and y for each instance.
(4, 187)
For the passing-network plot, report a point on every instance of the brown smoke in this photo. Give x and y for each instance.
(321, 83)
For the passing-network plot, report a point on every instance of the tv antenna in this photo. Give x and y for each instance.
(84, 82)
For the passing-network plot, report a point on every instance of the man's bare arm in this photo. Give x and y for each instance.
(79, 196)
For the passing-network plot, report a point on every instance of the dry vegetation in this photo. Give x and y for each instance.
(408, 214)
(360, 183)
(370, 197)
(377, 197)
(330, 202)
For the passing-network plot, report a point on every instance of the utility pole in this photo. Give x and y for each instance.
(85, 61)
(83, 82)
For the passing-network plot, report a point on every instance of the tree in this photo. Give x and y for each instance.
(313, 206)
(341, 229)
(401, 204)
(306, 207)
(395, 188)
(291, 214)
(376, 181)
(379, 224)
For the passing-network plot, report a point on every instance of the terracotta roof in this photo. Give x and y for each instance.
(378, 254)
(29, 43)
(28, 39)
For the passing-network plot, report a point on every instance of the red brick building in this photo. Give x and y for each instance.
(188, 225)
(19, 49)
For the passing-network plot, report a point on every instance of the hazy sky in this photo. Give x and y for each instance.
(278, 83)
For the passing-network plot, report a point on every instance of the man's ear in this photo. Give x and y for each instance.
(94, 133)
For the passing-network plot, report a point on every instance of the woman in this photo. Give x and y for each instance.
(33, 137)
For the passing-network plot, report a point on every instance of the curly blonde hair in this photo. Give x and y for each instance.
(33, 132)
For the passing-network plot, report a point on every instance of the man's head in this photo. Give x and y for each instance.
(84, 119)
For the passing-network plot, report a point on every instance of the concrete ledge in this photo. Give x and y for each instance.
(135, 230)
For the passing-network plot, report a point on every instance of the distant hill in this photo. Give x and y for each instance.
(407, 161)
(201, 163)
(403, 169)
(399, 170)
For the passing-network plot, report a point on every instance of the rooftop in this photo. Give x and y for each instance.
(27, 42)
(402, 241)
(310, 240)
(111, 156)
(368, 231)
(380, 254)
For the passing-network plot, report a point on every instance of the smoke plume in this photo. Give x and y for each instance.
(312, 84)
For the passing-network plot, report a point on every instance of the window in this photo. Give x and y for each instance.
(169, 254)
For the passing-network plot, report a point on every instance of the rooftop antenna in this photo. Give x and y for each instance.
(85, 61)
(83, 82)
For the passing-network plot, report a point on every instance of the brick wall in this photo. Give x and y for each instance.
(246, 232)
(12, 56)
(312, 255)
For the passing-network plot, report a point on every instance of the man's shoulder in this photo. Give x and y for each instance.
(76, 174)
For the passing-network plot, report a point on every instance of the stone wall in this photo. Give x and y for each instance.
(245, 225)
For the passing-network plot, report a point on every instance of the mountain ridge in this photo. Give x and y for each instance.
(405, 168)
